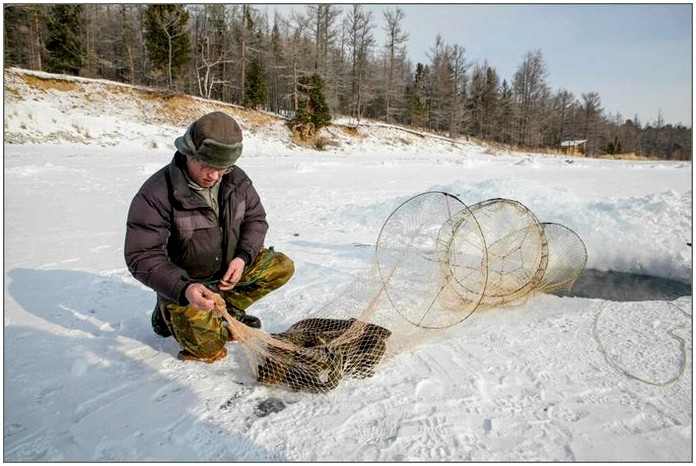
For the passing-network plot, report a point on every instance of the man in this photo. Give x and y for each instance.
(198, 225)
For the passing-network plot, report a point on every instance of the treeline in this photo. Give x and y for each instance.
(324, 60)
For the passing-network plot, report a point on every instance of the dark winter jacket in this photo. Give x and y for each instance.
(173, 238)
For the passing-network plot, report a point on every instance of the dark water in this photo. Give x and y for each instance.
(623, 286)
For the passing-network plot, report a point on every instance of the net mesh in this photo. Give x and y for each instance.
(436, 261)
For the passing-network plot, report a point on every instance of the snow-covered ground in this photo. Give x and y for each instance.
(556, 379)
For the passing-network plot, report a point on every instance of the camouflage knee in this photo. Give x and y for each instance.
(198, 332)
(270, 271)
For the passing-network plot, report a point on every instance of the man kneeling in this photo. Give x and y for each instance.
(199, 223)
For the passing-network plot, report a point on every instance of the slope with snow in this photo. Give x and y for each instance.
(555, 379)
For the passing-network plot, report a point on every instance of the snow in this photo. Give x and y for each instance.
(555, 379)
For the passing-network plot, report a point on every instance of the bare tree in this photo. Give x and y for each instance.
(323, 16)
(659, 123)
(447, 92)
(211, 28)
(396, 57)
(127, 44)
(592, 111)
(530, 89)
(457, 95)
(360, 42)
(298, 63)
(563, 102)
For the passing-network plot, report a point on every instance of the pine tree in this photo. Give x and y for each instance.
(507, 114)
(313, 112)
(66, 51)
(415, 96)
(23, 41)
(491, 102)
(166, 39)
(256, 85)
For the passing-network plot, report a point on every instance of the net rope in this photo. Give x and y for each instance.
(653, 358)
(436, 261)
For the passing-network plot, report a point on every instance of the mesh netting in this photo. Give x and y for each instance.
(436, 261)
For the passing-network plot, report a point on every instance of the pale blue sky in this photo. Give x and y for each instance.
(638, 57)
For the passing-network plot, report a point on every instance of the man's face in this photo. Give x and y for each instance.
(204, 175)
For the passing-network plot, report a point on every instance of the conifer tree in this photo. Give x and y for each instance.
(417, 107)
(313, 112)
(66, 51)
(255, 86)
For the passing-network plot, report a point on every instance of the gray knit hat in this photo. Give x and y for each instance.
(215, 138)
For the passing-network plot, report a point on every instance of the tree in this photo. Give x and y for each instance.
(211, 26)
(563, 102)
(277, 65)
(360, 41)
(166, 39)
(475, 101)
(396, 56)
(447, 91)
(23, 40)
(591, 110)
(659, 123)
(256, 87)
(457, 66)
(323, 16)
(126, 44)
(491, 101)
(312, 113)
(66, 51)
(416, 104)
(530, 90)
(507, 114)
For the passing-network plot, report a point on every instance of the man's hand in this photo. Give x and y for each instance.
(200, 297)
(233, 274)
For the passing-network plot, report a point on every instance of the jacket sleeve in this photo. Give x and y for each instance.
(254, 226)
(145, 250)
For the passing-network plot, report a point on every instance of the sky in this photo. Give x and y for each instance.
(637, 57)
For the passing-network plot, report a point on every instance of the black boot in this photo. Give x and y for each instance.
(158, 323)
(243, 317)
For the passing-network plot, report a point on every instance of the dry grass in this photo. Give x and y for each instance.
(257, 118)
(14, 93)
(627, 156)
(349, 130)
(298, 140)
(49, 83)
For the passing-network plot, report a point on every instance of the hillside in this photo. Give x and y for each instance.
(156, 114)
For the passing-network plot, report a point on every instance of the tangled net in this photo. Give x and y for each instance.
(436, 262)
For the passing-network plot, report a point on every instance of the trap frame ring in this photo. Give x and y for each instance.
(570, 243)
(432, 249)
(492, 212)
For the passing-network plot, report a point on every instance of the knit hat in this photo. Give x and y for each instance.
(215, 138)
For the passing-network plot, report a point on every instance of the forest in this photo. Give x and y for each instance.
(322, 62)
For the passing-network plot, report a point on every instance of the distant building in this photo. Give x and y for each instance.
(574, 146)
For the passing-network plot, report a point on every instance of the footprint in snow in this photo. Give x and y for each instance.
(269, 406)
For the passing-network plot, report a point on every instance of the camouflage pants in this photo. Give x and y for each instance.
(200, 332)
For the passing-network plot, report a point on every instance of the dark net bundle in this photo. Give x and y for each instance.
(436, 261)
